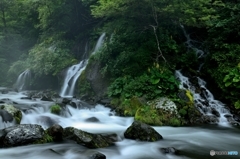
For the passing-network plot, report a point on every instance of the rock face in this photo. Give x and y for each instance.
(86, 139)
(98, 83)
(143, 132)
(20, 135)
(15, 113)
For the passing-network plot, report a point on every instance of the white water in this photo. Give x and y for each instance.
(75, 71)
(193, 142)
(205, 102)
(23, 80)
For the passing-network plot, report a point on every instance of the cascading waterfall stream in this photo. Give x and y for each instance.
(75, 71)
(23, 80)
(203, 98)
(193, 142)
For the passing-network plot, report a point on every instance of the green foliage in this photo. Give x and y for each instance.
(50, 57)
(55, 109)
(237, 104)
(156, 82)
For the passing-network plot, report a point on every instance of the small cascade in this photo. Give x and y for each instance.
(204, 99)
(75, 71)
(71, 77)
(99, 43)
(23, 80)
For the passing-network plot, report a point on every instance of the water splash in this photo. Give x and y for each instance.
(75, 71)
(23, 80)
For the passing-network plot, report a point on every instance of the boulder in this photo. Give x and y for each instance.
(142, 132)
(207, 119)
(92, 119)
(20, 135)
(6, 117)
(97, 155)
(46, 98)
(66, 100)
(16, 113)
(169, 150)
(56, 132)
(86, 139)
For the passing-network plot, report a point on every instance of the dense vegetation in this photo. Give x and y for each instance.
(145, 42)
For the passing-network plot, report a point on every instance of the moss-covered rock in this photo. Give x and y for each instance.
(127, 107)
(161, 111)
(142, 132)
(56, 109)
(86, 139)
(16, 113)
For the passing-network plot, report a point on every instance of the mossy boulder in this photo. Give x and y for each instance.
(86, 139)
(126, 107)
(143, 132)
(16, 113)
(56, 109)
(161, 111)
(55, 132)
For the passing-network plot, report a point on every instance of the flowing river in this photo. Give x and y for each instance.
(193, 142)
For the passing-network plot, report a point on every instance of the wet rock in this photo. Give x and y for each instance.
(46, 120)
(236, 118)
(86, 139)
(92, 119)
(112, 137)
(16, 113)
(141, 131)
(215, 112)
(5, 91)
(228, 116)
(210, 119)
(66, 101)
(6, 117)
(169, 150)
(18, 135)
(56, 132)
(105, 102)
(46, 98)
(97, 155)
(29, 98)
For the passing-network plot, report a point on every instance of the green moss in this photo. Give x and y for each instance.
(16, 113)
(46, 139)
(175, 122)
(55, 109)
(190, 96)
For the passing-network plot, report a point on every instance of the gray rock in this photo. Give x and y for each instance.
(6, 117)
(86, 139)
(141, 131)
(92, 119)
(169, 150)
(56, 131)
(16, 113)
(21, 135)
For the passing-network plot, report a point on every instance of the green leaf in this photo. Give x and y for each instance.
(228, 84)
(236, 79)
(155, 81)
(226, 78)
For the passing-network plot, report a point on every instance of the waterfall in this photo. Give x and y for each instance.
(75, 71)
(203, 98)
(23, 80)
